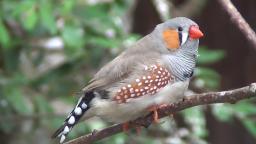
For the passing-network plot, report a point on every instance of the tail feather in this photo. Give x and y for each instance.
(74, 116)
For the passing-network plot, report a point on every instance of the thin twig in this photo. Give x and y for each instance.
(230, 96)
(239, 21)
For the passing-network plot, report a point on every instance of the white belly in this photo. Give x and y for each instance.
(118, 113)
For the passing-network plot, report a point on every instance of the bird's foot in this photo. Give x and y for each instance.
(125, 127)
(154, 109)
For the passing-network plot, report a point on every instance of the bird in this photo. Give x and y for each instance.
(154, 71)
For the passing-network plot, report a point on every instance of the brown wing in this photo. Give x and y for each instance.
(114, 71)
(157, 77)
(119, 68)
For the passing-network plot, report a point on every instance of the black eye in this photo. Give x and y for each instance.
(180, 29)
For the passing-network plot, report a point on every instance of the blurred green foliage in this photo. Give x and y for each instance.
(49, 50)
(34, 34)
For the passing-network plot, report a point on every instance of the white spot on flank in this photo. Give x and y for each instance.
(146, 87)
(129, 85)
(119, 90)
(159, 72)
(161, 68)
(146, 68)
(143, 77)
(146, 81)
(71, 120)
(136, 90)
(149, 77)
(62, 138)
(151, 81)
(66, 130)
(139, 84)
(124, 88)
(155, 87)
(78, 111)
(137, 80)
(157, 76)
(132, 95)
(141, 90)
(84, 106)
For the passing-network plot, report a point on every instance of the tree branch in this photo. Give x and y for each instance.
(230, 96)
(237, 19)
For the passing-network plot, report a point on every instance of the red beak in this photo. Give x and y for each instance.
(195, 33)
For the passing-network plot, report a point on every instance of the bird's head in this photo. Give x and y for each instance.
(178, 33)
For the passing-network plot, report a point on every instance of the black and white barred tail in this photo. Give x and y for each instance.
(75, 115)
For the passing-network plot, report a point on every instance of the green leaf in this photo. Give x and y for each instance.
(103, 42)
(17, 100)
(30, 18)
(47, 16)
(244, 109)
(67, 6)
(42, 105)
(4, 35)
(250, 126)
(223, 112)
(210, 78)
(207, 56)
(195, 117)
(73, 36)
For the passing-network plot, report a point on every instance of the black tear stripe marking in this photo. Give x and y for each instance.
(180, 38)
(74, 116)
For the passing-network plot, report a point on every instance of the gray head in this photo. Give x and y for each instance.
(177, 40)
(177, 34)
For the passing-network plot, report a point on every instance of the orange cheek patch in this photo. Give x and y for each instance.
(171, 38)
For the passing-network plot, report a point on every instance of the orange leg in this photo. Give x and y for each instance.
(155, 113)
(125, 127)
